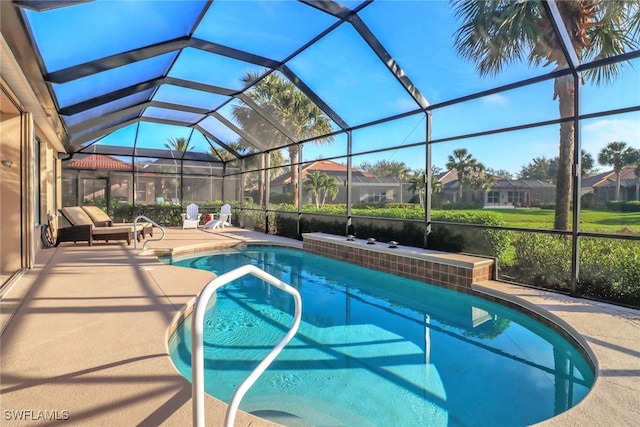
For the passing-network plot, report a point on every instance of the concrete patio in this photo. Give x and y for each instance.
(84, 338)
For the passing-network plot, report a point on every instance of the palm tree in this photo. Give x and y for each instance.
(547, 169)
(387, 168)
(254, 125)
(618, 155)
(330, 189)
(295, 111)
(418, 185)
(479, 179)
(464, 164)
(178, 144)
(496, 33)
(174, 144)
(321, 185)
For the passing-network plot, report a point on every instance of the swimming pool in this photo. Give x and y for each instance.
(376, 349)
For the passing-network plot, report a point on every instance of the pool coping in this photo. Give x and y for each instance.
(488, 289)
(35, 374)
(609, 336)
(515, 296)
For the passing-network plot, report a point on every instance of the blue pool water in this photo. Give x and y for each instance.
(374, 349)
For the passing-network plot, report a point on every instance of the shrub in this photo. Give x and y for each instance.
(631, 206)
(161, 214)
(542, 260)
(278, 198)
(458, 206)
(609, 269)
(481, 241)
(406, 233)
(286, 226)
(588, 201)
(451, 238)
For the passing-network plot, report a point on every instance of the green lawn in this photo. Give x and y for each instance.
(594, 221)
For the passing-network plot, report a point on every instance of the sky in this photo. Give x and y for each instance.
(341, 69)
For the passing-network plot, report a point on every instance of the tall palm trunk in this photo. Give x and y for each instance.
(261, 179)
(565, 91)
(293, 157)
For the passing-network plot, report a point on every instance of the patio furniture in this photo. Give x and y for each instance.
(191, 218)
(79, 233)
(101, 219)
(83, 229)
(223, 220)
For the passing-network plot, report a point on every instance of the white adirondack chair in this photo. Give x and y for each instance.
(223, 219)
(191, 218)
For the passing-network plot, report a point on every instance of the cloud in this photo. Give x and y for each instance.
(597, 134)
(497, 99)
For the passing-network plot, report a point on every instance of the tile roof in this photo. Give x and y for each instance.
(606, 178)
(98, 161)
(327, 166)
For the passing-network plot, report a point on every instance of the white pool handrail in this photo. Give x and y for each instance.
(197, 341)
(135, 232)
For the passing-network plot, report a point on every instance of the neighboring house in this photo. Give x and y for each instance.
(365, 187)
(517, 193)
(97, 178)
(201, 180)
(100, 179)
(603, 185)
(505, 193)
(509, 193)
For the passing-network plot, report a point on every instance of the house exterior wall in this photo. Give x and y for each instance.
(608, 193)
(10, 179)
(29, 182)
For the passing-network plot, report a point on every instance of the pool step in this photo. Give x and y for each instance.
(301, 411)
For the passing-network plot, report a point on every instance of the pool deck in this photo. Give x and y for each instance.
(84, 337)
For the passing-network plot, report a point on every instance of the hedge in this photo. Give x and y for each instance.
(444, 237)
(609, 269)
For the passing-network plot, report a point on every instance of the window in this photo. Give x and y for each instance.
(141, 192)
(517, 197)
(493, 197)
(376, 196)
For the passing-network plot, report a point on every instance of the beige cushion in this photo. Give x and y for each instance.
(105, 231)
(96, 214)
(141, 225)
(76, 215)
